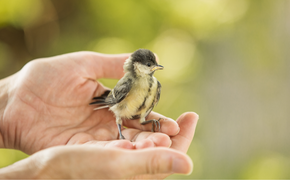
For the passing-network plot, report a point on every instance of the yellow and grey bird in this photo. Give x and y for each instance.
(136, 93)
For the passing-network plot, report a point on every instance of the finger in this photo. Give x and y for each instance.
(167, 125)
(153, 140)
(155, 161)
(157, 58)
(125, 144)
(187, 123)
(107, 66)
(143, 139)
(85, 138)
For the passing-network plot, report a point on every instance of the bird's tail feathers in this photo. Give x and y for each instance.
(99, 98)
(101, 101)
(101, 107)
(103, 96)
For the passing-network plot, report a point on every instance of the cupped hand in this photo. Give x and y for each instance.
(91, 162)
(99, 162)
(180, 143)
(48, 105)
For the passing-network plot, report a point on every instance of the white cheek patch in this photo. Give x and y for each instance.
(142, 69)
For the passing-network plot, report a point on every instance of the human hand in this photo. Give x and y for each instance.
(48, 106)
(93, 162)
(180, 143)
(96, 161)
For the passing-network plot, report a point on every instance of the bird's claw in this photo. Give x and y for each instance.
(155, 123)
(121, 136)
(120, 132)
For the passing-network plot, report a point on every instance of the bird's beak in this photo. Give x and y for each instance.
(158, 67)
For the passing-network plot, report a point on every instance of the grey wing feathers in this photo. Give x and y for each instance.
(158, 93)
(115, 96)
(156, 100)
(121, 91)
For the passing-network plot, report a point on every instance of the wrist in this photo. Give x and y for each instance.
(24, 169)
(4, 96)
(36, 166)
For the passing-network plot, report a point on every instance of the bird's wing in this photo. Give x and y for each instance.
(157, 97)
(116, 95)
(120, 91)
(156, 100)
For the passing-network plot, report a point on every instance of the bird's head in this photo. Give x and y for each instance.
(142, 62)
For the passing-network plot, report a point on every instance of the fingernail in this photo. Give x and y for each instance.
(177, 131)
(181, 166)
(170, 144)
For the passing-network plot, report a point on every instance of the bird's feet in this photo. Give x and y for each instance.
(155, 124)
(121, 136)
(120, 132)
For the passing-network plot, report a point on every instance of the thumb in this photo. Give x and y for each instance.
(109, 66)
(157, 161)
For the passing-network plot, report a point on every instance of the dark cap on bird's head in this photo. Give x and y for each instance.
(144, 56)
(144, 60)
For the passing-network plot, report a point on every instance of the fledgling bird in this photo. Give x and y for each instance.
(136, 93)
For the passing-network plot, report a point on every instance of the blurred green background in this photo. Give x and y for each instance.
(227, 60)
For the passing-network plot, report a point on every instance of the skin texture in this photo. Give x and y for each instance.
(99, 162)
(46, 104)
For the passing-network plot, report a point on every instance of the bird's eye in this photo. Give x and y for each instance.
(148, 64)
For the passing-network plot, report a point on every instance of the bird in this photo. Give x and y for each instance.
(136, 93)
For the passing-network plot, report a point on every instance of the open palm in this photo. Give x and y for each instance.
(48, 105)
